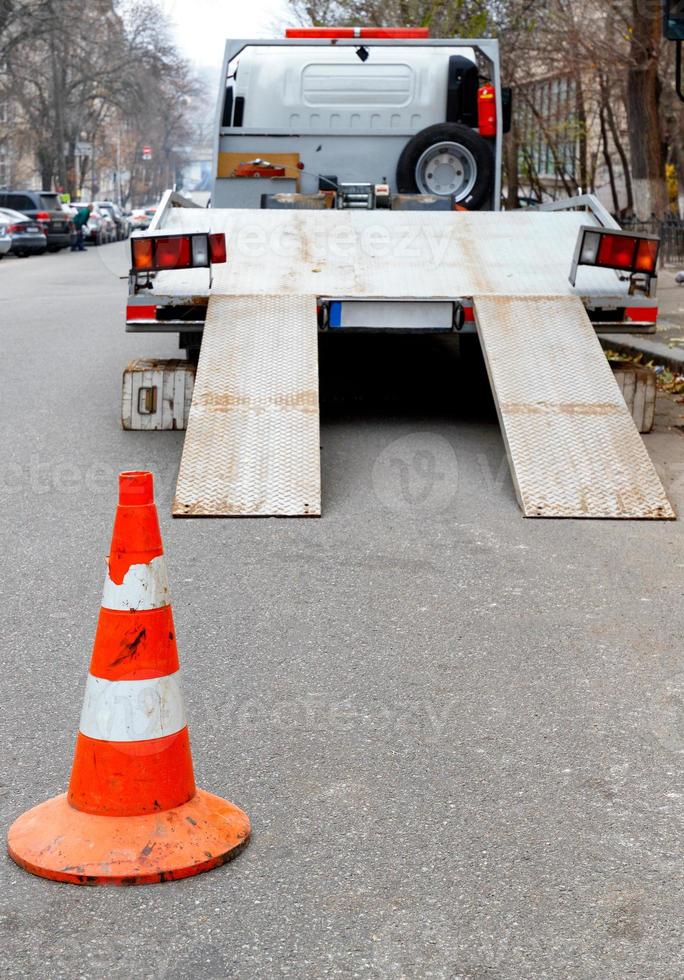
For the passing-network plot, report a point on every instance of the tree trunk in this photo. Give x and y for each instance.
(643, 117)
(605, 145)
(58, 101)
(626, 173)
(71, 175)
(581, 110)
(46, 167)
(608, 160)
(512, 150)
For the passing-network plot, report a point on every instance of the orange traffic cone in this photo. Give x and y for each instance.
(132, 814)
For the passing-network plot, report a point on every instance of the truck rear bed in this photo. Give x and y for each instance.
(392, 255)
(252, 445)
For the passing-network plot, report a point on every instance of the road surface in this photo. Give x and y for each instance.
(459, 734)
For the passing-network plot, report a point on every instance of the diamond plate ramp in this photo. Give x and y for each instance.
(573, 448)
(252, 444)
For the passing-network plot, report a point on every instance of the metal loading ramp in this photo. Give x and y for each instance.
(252, 444)
(572, 446)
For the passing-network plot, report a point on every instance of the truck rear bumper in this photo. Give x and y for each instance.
(345, 314)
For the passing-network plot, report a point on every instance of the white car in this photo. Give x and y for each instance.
(5, 238)
(141, 217)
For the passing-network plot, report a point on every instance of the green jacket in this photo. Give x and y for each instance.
(81, 218)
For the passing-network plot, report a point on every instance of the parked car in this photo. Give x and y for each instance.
(140, 219)
(27, 237)
(46, 208)
(123, 228)
(100, 229)
(5, 238)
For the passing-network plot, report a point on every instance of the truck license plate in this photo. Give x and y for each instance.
(409, 316)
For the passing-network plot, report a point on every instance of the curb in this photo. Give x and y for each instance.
(653, 349)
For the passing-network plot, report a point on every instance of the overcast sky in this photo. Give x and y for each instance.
(202, 26)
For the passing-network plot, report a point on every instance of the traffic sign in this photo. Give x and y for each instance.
(147, 152)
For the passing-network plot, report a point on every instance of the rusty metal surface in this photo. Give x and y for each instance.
(252, 445)
(572, 445)
(302, 202)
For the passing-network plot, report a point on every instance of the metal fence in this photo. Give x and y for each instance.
(671, 233)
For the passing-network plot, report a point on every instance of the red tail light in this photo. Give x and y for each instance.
(142, 253)
(641, 314)
(141, 312)
(173, 253)
(647, 255)
(616, 252)
(619, 250)
(406, 33)
(486, 110)
(16, 229)
(42, 216)
(159, 252)
(217, 249)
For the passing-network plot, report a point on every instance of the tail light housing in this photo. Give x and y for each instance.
(42, 216)
(217, 249)
(173, 253)
(614, 249)
(155, 253)
(486, 110)
(407, 33)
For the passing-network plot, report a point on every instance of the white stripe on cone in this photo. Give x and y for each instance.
(132, 711)
(143, 587)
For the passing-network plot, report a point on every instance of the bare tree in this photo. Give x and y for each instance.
(465, 17)
(643, 111)
(102, 74)
(612, 51)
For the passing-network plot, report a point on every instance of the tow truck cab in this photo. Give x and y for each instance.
(324, 108)
(355, 118)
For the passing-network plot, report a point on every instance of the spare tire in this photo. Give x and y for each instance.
(448, 159)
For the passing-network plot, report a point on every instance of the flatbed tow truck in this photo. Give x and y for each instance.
(357, 188)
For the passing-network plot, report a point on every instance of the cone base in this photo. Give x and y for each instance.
(56, 841)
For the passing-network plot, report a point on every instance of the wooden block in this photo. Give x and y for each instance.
(638, 387)
(157, 394)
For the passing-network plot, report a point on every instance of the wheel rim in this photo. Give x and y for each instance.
(446, 168)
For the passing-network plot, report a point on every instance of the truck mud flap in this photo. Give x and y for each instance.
(572, 446)
(252, 446)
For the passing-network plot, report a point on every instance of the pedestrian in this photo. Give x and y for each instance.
(80, 220)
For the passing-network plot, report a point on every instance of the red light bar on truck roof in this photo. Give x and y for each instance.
(407, 33)
(153, 253)
(605, 248)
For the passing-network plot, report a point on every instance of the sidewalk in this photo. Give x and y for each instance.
(657, 346)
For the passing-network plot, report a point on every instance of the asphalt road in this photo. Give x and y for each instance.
(459, 734)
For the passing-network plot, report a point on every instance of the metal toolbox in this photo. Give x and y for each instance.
(157, 394)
